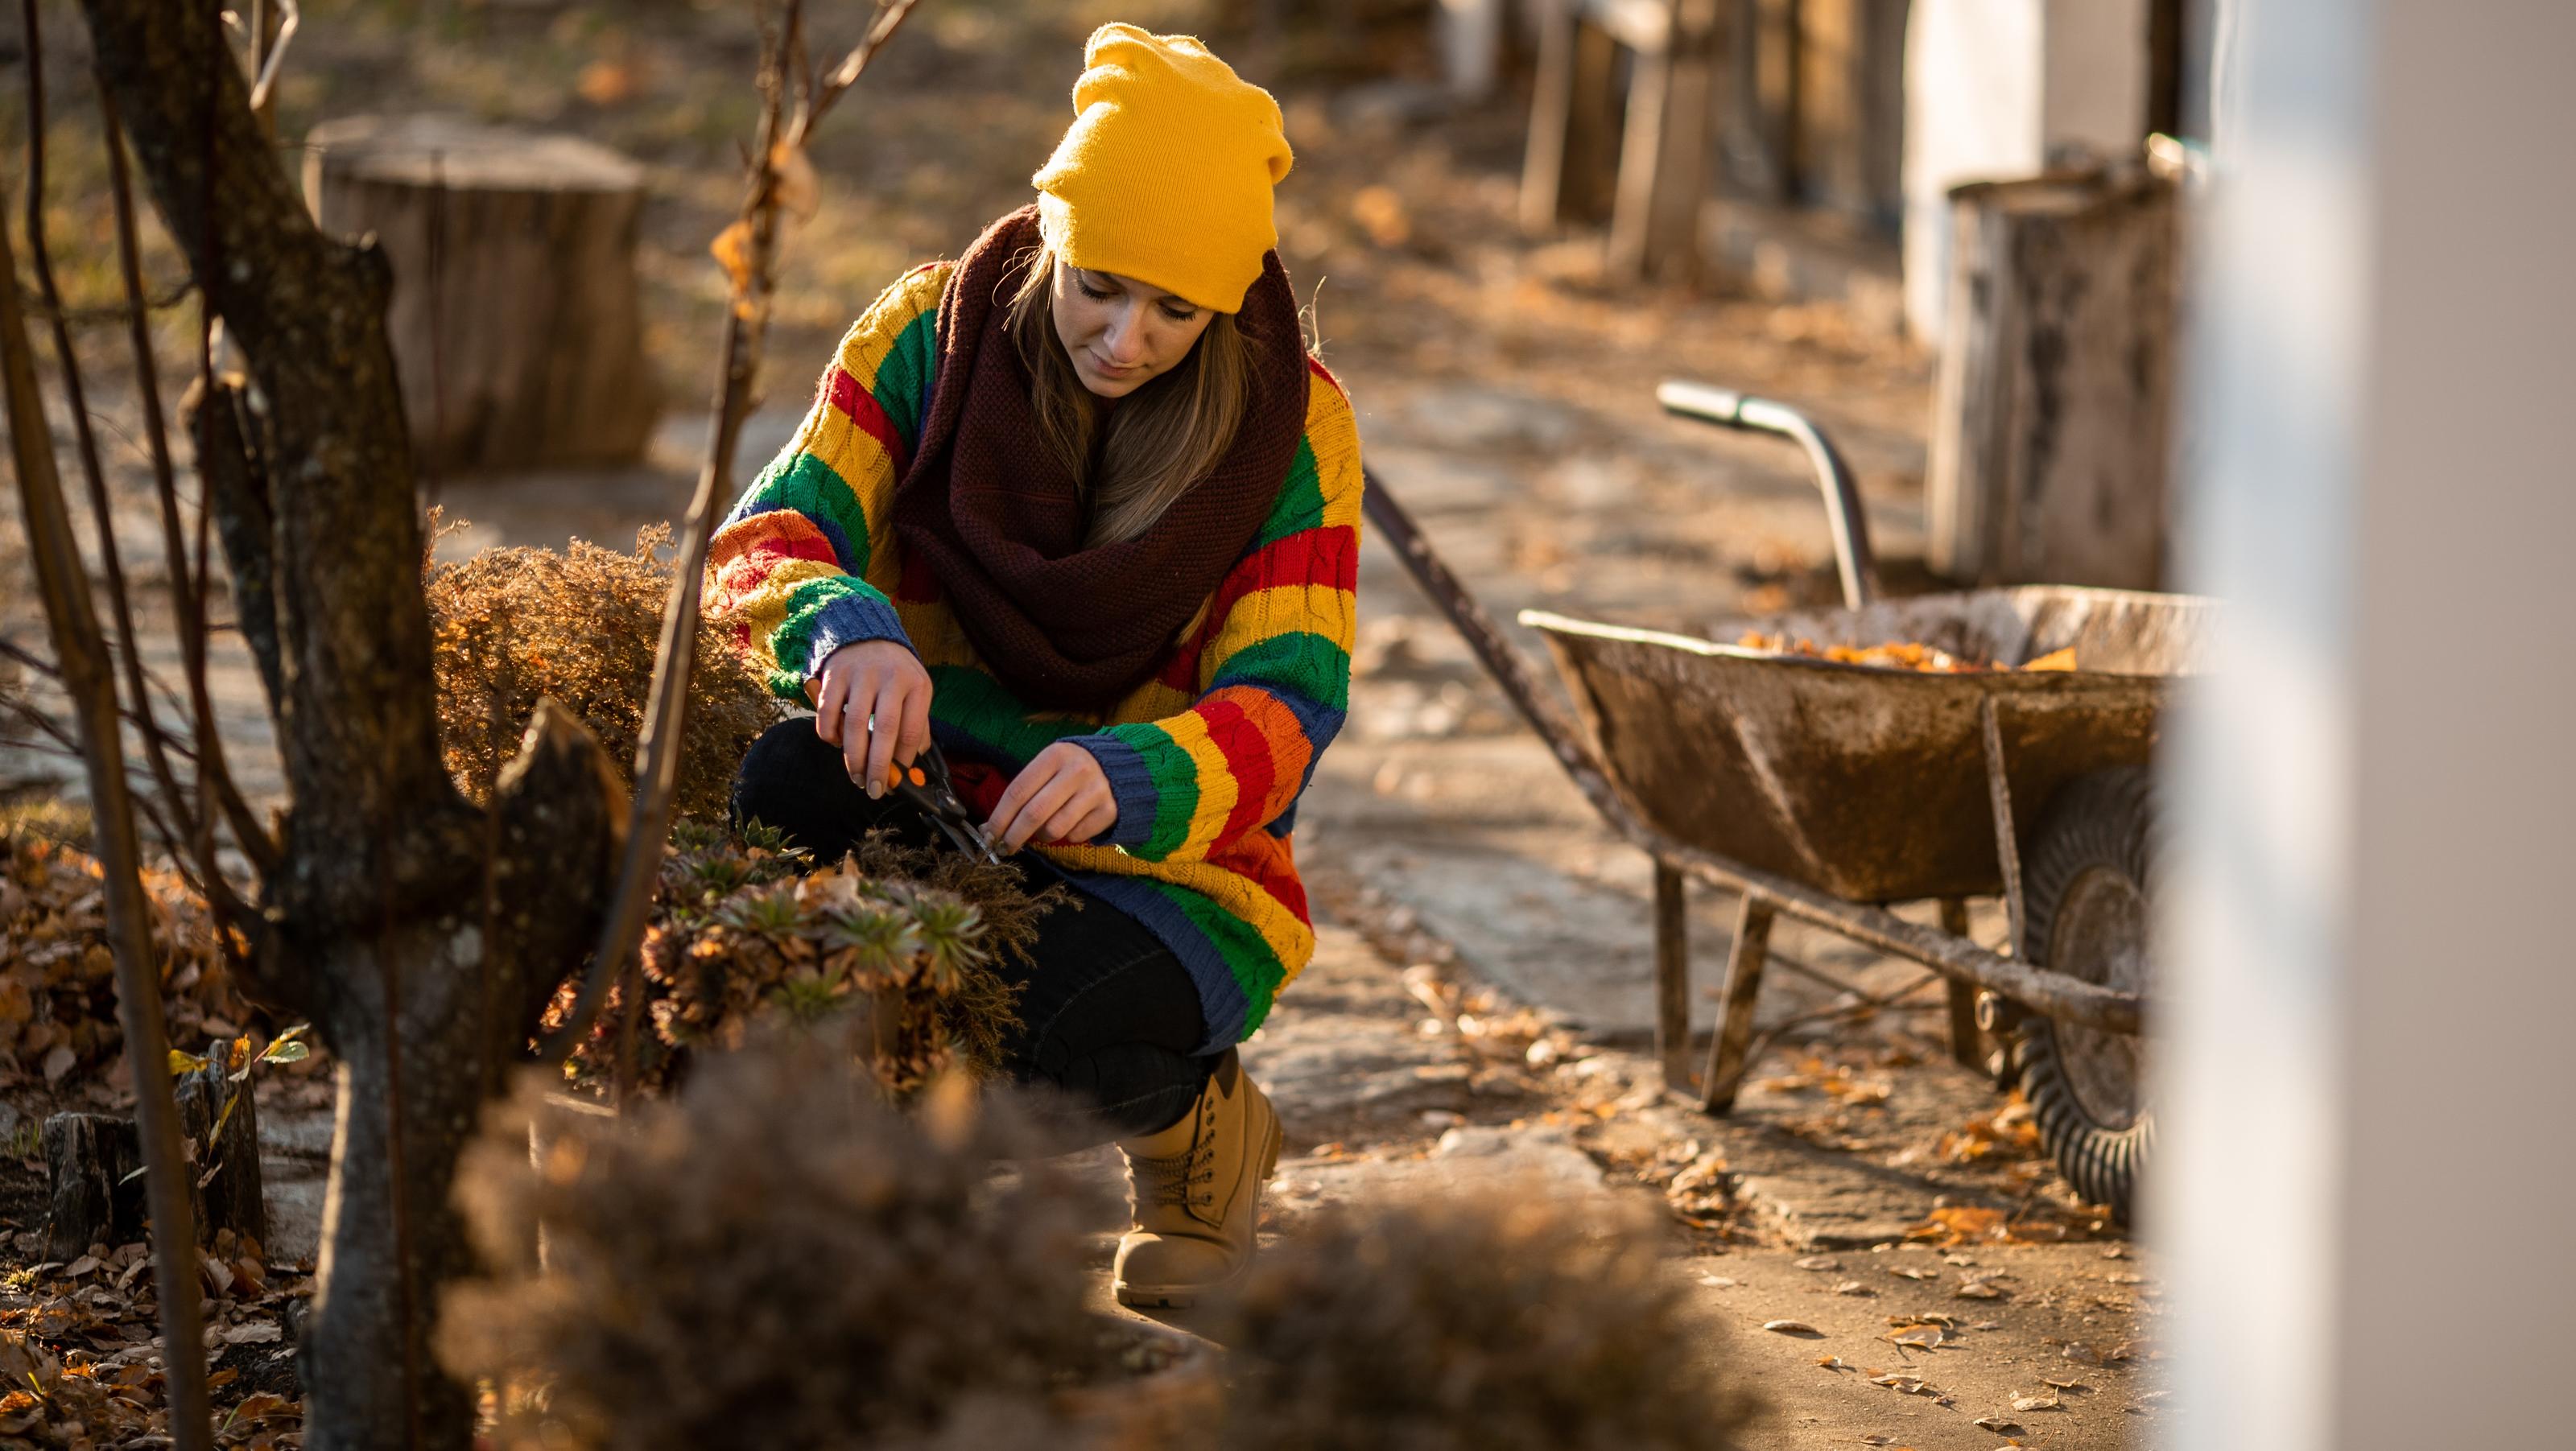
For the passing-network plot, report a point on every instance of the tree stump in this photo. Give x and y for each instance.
(230, 1193)
(517, 321)
(2049, 446)
(88, 1156)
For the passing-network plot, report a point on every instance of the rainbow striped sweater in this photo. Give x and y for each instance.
(1207, 758)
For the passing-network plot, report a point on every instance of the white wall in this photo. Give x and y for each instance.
(2370, 993)
(1992, 87)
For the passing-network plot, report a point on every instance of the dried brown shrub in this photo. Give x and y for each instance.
(511, 625)
(1509, 1321)
(771, 1258)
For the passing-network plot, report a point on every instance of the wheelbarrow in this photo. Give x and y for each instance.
(1828, 790)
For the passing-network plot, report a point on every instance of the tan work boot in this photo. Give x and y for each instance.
(1196, 1194)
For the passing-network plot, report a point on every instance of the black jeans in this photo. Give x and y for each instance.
(1108, 1016)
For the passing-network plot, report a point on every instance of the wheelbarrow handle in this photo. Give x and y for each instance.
(1727, 408)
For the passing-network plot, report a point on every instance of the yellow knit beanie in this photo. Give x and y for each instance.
(1165, 175)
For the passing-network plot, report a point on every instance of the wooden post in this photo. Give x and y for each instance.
(2049, 443)
(1565, 169)
(1967, 1045)
(1664, 156)
(1672, 976)
(1735, 1017)
(517, 319)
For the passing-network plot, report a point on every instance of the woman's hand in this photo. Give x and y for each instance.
(873, 679)
(1061, 795)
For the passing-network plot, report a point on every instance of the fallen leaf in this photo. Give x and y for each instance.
(1913, 1272)
(79, 1267)
(2082, 1353)
(1819, 1262)
(1832, 1362)
(1791, 1327)
(2053, 660)
(2065, 1385)
(1925, 1336)
(1380, 212)
(1978, 1288)
(1997, 1424)
(58, 1061)
(605, 82)
(1719, 1282)
(2048, 1402)
(254, 1332)
(1853, 1287)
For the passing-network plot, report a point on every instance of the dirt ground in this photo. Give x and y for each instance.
(1477, 1014)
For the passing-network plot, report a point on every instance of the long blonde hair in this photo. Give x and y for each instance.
(1163, 438)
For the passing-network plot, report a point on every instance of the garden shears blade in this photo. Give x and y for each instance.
(926, 784)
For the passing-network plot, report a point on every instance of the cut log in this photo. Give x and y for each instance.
(89, 1156)
(229, 1191)
(516, 319)
(2049, 446)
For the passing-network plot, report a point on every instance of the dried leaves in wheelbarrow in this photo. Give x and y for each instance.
(1897, 655)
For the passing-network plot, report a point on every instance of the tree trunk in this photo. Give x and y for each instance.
(518, 323)
(422, 936)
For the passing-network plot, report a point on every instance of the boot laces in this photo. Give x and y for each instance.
(1183, 1179)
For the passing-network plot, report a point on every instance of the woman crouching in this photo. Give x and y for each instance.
(1080, 508)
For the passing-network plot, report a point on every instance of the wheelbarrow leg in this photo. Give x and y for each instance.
(1735, 1019)
(1967, 1045)
(1672, 978)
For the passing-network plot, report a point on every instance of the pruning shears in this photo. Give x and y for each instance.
(926, 784)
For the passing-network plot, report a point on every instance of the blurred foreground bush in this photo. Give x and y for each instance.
(772, 1258)
(1511, 1323)
(510, 625)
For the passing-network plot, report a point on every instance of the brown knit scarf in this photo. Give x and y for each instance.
(993, 514)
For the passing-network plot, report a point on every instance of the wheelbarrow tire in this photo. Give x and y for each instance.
(2099, 832)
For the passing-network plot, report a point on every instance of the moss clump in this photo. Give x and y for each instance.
(582, 626)
(771, 1258)
(1505, 1323)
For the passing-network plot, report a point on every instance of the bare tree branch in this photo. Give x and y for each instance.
(889, 19)
(187, 586)
(81, 650)
(657, 753)
(120, 600)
